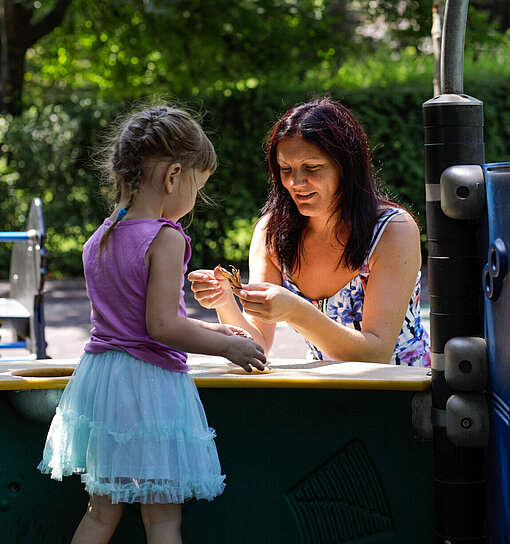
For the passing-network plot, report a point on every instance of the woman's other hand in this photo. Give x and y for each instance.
(267, 302)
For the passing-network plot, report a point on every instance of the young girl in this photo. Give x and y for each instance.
(131, 421)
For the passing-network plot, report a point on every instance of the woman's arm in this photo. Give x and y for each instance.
(394, 267)
(211, 290)
(165, 258)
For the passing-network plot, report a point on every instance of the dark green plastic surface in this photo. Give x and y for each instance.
(303, 466)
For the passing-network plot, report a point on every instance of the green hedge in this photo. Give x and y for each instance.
(46, 153)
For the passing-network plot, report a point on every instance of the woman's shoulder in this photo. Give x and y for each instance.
(259, 237)
(398, 216)
(394, 219)
(259, 249)
(262, 222)
(391, 210)
(398, 232)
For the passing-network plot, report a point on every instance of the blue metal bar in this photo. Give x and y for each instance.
(13, 345)
(30, 357)
(13, 236)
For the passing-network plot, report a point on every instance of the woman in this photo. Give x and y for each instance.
(330, 256)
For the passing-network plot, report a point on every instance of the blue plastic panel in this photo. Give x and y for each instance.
(497, 333)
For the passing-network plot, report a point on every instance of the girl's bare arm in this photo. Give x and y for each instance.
(212, 291)
(165, 258)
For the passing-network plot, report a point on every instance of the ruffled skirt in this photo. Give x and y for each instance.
(134, 431)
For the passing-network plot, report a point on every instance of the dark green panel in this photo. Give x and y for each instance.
(34, 509)
(303, 466)
(273, 441)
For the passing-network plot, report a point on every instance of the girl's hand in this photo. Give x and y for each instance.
(267, 302)
(245, 353)
(209, 288)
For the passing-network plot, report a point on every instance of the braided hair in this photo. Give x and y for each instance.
(147, 137)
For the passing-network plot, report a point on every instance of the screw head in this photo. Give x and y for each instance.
(14, 487)
(466, 423)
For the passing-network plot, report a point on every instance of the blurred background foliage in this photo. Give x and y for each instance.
(239, 65)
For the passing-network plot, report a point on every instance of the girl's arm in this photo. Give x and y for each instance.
(219, 327)
(394, 267)
(212, 291)
(164, 259)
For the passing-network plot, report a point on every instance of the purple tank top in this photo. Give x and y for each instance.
(117, 288)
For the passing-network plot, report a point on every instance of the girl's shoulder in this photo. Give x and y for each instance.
(139, 237)
(170, 235)
(142, 227)
(169, 239)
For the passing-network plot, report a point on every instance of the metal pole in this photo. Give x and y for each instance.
(453, 131)
(452, 46)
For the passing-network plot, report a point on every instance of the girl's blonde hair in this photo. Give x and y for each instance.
(146, 137)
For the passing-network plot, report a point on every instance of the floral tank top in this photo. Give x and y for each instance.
(346, 307)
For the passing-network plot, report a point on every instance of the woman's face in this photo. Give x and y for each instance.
(309, 174)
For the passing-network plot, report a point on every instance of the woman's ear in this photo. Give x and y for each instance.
(171, 176)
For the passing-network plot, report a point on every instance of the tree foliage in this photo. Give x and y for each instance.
(22, 24)
(409, 22)
(46, 154)
(245, 63)
(115, 49)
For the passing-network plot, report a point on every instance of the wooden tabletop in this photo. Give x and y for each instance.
(216, 372)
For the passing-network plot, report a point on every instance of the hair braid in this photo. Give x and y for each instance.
(159, 133)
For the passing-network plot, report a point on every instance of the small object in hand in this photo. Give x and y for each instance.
(240, 333)
(234, 278)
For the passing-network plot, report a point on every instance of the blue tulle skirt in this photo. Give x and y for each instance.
(134, 431)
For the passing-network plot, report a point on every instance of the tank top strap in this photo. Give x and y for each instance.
(379, 227)
(178, 227)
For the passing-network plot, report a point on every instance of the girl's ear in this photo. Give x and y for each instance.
(171, 176)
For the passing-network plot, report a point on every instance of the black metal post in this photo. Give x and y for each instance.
(453, 130)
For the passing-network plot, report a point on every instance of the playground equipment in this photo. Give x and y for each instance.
(468, 230)
(326, 453)
(22, 313)
(314, 453)
(497, 319)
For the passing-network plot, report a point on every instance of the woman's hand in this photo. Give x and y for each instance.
(210, 288)
(268, 302)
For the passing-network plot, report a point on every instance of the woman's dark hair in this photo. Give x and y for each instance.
(330, 126)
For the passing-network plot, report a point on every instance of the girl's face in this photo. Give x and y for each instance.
(190, 183)
(310, 176)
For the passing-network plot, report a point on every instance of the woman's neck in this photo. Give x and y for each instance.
(320, 227)
(326, 235)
